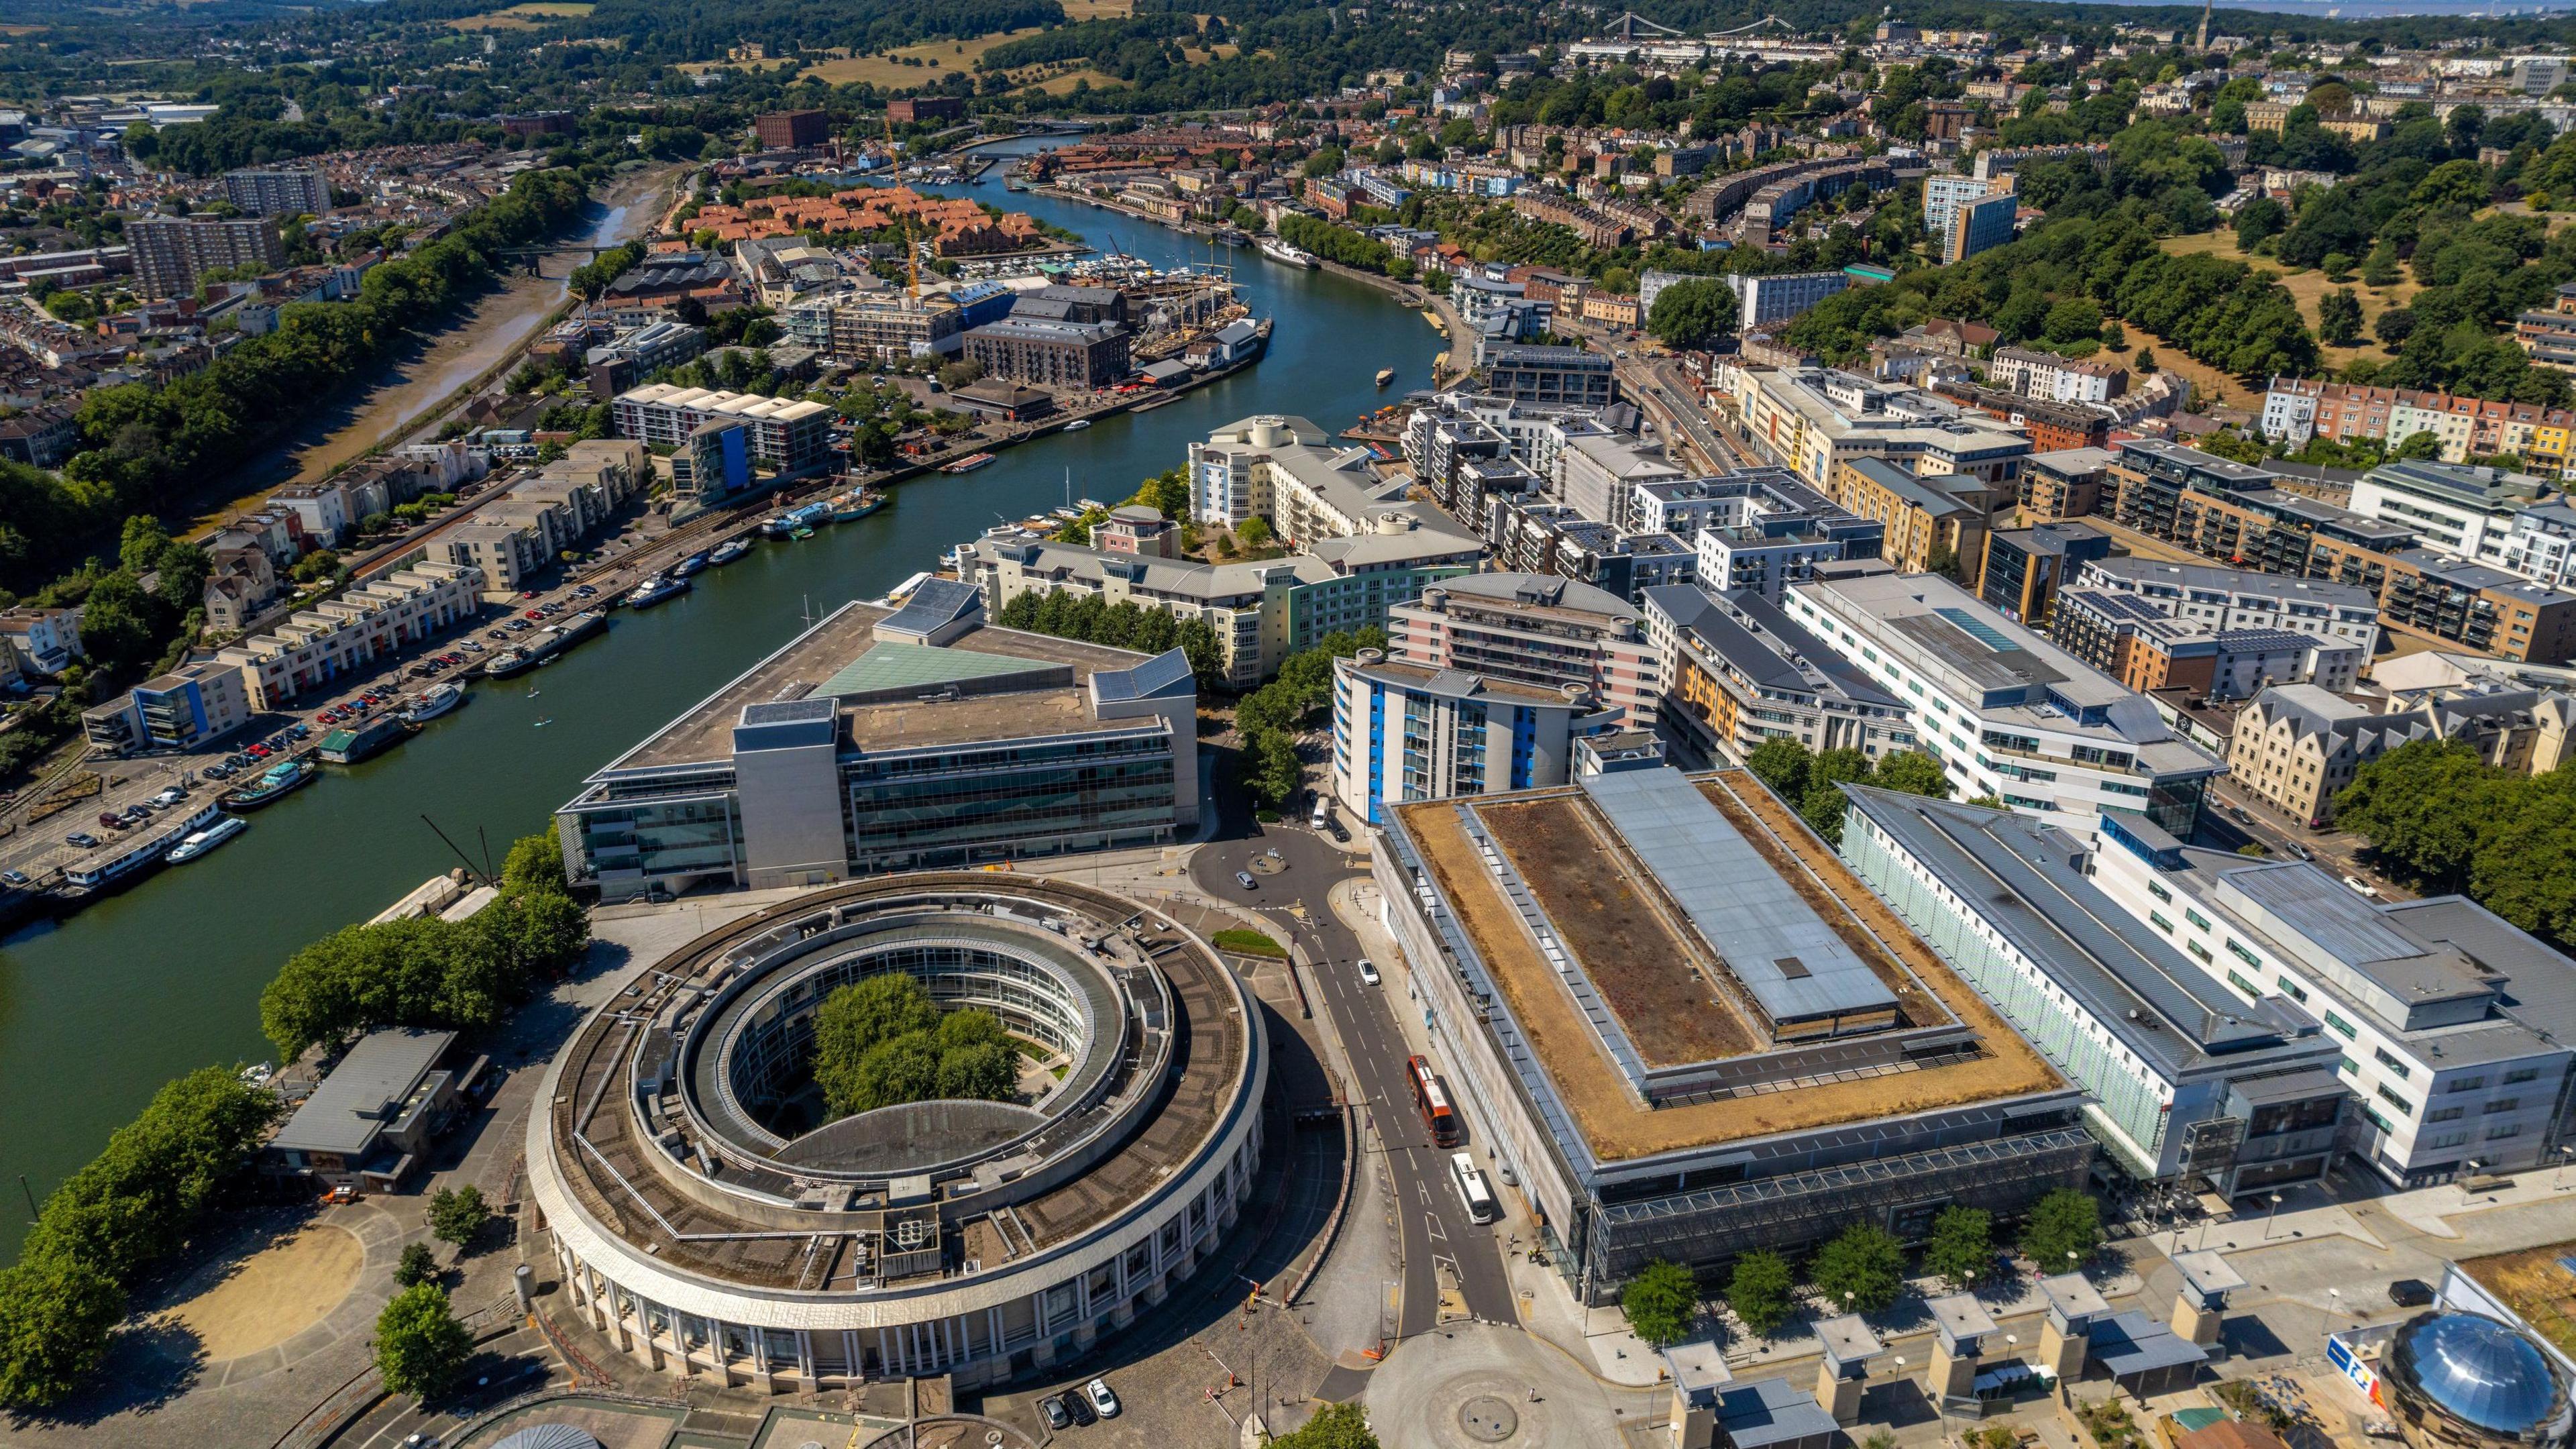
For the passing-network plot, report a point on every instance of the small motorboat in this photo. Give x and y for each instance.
(1077, 425)
(1385, 375)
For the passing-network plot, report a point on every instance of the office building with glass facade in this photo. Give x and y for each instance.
(908, 739)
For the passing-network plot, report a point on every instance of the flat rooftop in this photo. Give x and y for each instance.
(841, 655)
(1664, 975)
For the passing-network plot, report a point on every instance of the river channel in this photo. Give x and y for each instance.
(99, 1010)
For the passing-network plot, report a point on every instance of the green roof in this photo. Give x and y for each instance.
(922, 666)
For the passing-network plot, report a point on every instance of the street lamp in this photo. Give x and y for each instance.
(2269, 1216)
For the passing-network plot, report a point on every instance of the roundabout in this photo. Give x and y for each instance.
(713, 1219)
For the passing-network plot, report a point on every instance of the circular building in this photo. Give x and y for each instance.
(704, 1221)
(2462, 1379)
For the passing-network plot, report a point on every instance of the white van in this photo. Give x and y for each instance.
(1481, 1205)
(1323, 815)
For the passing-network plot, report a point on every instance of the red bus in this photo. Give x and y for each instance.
(1433, 1099)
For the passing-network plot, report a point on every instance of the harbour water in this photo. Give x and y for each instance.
(98, 1011)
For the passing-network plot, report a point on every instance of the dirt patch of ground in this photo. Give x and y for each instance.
(2536, 1285)
(273, 1295)
(1059, 85)
(1621, 941)
(1103, 10)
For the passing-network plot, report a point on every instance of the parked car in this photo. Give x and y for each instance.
(1368, 972)
(1079, 1407)
(13, 877)
(1244, 879)
(81, 838)
(2361, 886)
(2301, 851)
(1058, 1417)
(1106, 1402)
(2410, 1293)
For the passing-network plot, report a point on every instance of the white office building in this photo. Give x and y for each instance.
(2008, 714)
(1404, 731)
(2456, 1030)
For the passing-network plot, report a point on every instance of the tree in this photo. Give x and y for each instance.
(1688, 314)
(1961, 1250)
(420, 1348)
(119, 623)
(1661, 1302)
(883, 1042)
(2419, 445)
(1757, 1292)
(1334, 1426)
(535, 862)
(2063, 1231)
(1254, 532)
(2146, 361)
(1912, 772)
(458, 1215)
(1861, 1270)
(56, 1313)
(417, 1265)
(1781, 763)
(2339, 317)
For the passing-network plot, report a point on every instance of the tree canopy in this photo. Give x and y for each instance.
(883, 1042)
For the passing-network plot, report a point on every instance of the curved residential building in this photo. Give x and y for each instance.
(703, 1221)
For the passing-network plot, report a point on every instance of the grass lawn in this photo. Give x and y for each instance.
(524, 17)
(2307, 287)
(937, 58)
(1057, 85)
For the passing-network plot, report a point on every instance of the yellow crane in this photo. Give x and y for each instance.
(911, 258)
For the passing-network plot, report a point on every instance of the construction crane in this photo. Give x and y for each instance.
(911, 258)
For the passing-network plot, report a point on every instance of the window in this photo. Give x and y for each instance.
(2241, 984)
(2468, 1084)
(2340, 1025)
(2200, 951)
(2441, 1114)
(2503, 1130)
(2160, 893)
(2195, 917)
(2292, 987)
(2376, 1120)
(2237, 949)
(2395, 1066)
(2157, 920)
(2501, 1104)
(2521, 1074)
(2351, 1067)
(2446, 1139)
(2404, 1108)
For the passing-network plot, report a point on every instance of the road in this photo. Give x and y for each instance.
(1432, 1221)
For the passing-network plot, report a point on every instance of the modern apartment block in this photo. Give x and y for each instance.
(2466, 512)
(279, 190)
(2188, 1082)
(1937, 522)
(1261, 612)
(199, 701)
(2007, 713)
(2225, 598)
(2145, 649)
(2454, 1030)
(171, 252)
(2024, 568)
(1779, 296)
(1405, 731)
(1738, 671)
(1814, 420)
(338, 636)
(789, 436)
(887, 740)
(1980, 225)
(1534, 630)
